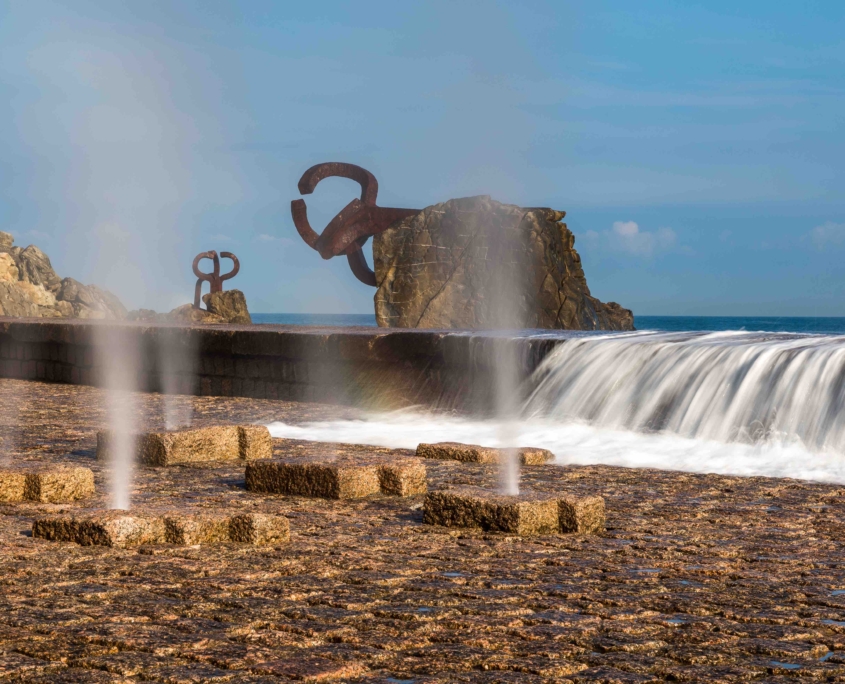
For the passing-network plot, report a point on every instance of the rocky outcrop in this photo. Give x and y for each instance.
(223, 307)
(30, 287)
(475, 263)
(229, 305)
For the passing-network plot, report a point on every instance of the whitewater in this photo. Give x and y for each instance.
(732, 402)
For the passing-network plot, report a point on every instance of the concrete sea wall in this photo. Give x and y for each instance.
(370, 367)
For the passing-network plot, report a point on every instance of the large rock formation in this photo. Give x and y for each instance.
(476, 263)
(30, 287)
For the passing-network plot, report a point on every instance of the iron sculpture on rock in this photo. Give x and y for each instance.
(468, 263)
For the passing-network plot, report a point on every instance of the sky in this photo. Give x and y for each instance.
(696, 147)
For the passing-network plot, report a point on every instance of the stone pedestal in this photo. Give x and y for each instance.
(210, 444)
(125, 528)
(341, 477)
(49, 484)
(472, 453)
(528, 513)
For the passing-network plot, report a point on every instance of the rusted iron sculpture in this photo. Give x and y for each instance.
(215, 280)
(356, 223)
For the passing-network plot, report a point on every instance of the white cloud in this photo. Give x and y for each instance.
(828, 234)
(220, 237)
(264, 237)
(626, 236)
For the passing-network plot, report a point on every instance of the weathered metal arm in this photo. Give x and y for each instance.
(359, 220)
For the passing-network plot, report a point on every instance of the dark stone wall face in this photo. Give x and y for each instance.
(368, 367)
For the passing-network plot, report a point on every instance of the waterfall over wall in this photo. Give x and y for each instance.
(727, 386)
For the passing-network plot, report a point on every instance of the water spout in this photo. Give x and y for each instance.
(116, 357)
(177, 360)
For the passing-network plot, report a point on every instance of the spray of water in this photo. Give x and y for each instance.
(177, 360)
(505, 246)
(116, 358)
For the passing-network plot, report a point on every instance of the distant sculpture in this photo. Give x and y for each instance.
(215, 280)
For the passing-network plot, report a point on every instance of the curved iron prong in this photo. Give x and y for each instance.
(236, 266)
(359, 220)
(359, 266)
(211, 254)
(299, 212)
(367, 181)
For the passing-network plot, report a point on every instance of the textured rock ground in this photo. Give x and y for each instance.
(698, 578)
(476, 263)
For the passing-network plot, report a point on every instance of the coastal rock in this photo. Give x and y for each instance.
(188, 314)
(30, 287)
(15, 302)
(477, 263)
(35, 268)
(8, 267)
(230, 305)
(6, 242)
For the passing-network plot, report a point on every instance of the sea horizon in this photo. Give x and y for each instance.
(818, 325)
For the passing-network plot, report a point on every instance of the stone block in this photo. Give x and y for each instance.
(188, 529)
(472, 453)
(259, 529)
(526, 514)
(49, 484)
(123, 528)
(108, 528)
(582, 515)
(59, 484)
(402, 477)
(197, 445)
(338, 478)
(12, 486)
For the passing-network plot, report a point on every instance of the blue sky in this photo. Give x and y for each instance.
(696, 147)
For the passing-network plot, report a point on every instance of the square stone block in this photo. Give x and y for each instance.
(59, 484)
(188, 529)
(197, 445)
(524, 514)
(402, 477)
(340, 478)
(473, 453)
(582, 515)
(12, 485)
(259, 529)
(47, 484)
(108, 528)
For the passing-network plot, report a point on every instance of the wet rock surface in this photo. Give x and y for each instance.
(696, 578)
(477, 263)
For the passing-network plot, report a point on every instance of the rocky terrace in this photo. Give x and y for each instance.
(697, 577)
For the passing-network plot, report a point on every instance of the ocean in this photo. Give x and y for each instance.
(737, 396)
(831, 326)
